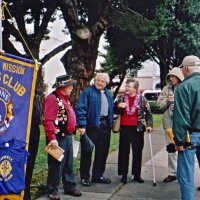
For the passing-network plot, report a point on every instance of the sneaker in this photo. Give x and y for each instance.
(169, 179)
(85, 183)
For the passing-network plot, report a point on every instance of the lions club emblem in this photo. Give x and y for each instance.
(6, 111)
(5, 168)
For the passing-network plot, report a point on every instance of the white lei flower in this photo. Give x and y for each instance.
(131, 110)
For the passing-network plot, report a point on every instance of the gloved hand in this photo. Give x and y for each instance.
(170, 148)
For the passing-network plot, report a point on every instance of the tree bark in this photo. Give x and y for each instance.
(80, 63)
(164, 69)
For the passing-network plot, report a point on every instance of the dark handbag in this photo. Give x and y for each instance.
(116, 124)
(87, 143)
(117, 119)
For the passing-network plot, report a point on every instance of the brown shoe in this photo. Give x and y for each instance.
(169, 179)
(54, 196)
(74, 193)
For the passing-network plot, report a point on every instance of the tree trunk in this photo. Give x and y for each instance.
(119, 85)
(164, 69)
(80, 63)
(40, 87)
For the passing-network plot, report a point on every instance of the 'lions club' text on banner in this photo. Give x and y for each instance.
(17, 85)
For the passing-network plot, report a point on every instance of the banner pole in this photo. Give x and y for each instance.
(1, 40)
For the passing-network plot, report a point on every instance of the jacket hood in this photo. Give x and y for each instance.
(176, 71)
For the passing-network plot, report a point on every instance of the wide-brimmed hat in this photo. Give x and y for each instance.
(190, 61)
(63, 81)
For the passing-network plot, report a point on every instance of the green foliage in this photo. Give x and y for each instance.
(38, 185)
(163, 31)
(114, 142)
(157, 120)
(154, 108)
(178, 22)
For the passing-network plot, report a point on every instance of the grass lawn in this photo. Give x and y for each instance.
(40, 169)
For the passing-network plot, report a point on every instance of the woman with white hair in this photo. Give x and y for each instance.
(135, 114)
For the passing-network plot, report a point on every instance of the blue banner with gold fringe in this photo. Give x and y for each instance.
(17, 85)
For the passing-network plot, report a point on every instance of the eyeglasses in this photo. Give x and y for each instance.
(100, 81)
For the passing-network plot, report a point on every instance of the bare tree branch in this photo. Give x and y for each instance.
(55, 51)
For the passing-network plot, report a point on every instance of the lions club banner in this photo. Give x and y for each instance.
(17, 85)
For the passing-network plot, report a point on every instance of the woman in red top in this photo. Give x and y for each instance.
(135, 114)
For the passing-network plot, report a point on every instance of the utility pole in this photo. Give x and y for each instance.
(1, 29)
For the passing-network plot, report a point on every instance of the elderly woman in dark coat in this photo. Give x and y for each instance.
(135, 116)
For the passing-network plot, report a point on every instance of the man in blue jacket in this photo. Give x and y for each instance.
(186, 124)
(94, 113)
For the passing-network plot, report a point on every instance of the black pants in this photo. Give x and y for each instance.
(101, 138)
(130, 136)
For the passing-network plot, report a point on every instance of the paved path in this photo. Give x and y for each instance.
(132, 190)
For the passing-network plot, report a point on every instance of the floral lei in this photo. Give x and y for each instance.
(131, 111)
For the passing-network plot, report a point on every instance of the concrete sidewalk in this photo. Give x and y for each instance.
(133, 190)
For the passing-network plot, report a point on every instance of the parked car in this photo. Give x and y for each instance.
(151, 95)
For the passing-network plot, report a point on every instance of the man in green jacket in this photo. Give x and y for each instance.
(186, 120)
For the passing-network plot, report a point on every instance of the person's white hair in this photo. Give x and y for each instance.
(194, 69)
(104, 76)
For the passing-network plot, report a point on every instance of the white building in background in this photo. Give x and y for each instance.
(148, 77)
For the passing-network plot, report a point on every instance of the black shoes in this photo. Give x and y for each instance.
(169, 179)
(85, 183)
(138, 179)
(132, 178)
(102, 180)
(124, 179)
(54, 196)
(74, 193)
